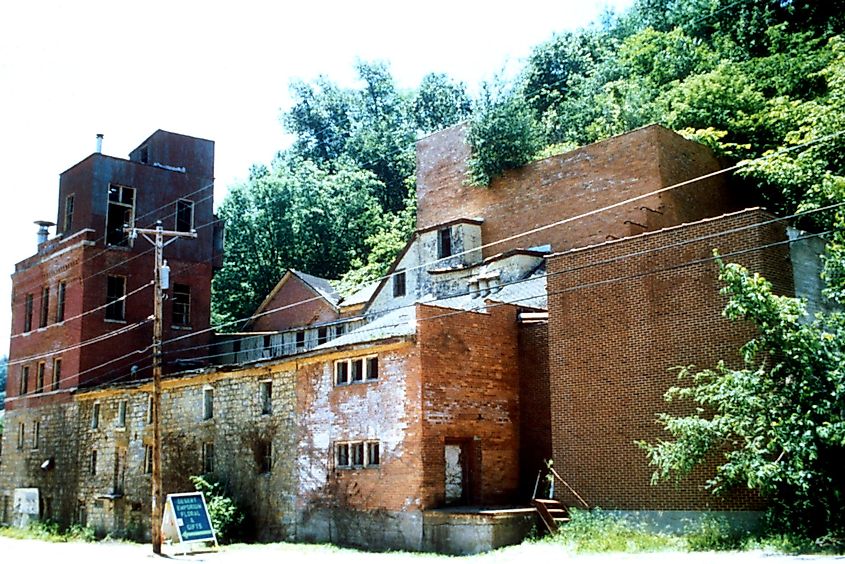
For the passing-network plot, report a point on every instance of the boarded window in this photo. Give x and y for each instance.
(116, 298)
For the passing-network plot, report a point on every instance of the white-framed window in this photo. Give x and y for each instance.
(355, 370)
(357, 454)
(208, 403)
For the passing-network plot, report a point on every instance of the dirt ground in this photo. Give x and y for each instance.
(13, 550)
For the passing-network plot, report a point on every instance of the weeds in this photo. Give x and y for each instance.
(49, 531)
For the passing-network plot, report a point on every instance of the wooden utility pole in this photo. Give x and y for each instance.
(158, 243)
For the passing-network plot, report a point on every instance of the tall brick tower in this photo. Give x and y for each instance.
(81, 305)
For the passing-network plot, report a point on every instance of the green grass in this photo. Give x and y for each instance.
(597, 531)
(49, 531)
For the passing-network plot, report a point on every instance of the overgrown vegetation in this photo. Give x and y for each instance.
(225, 515)
(777, 423)
(50, 531)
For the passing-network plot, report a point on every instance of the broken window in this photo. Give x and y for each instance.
(322, 335)
(444, 242)
(182, 305)
(39, 377)
(27, 314)
(45, 306)
(266, 397)
(60, 302)
(120, 214)
(116, 298)
(57, 373)
(184, 215)
(121, 414)
(208, 458)
(95, 415)
(24, 383)
(208, 403)
(398, 283)
(68, 214)
(356, 370)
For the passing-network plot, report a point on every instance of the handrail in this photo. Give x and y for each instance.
(581, 499)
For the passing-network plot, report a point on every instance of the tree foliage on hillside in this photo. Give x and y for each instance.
(338, 203)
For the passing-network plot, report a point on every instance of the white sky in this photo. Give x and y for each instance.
(218, 70)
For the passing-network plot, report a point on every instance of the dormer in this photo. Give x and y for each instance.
(456, 244)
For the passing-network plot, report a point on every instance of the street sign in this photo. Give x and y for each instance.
(186, 518)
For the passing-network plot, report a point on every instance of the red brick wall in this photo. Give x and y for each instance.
(387, 410)
(570, 184)
(535, 421)
(313, 310)
(470, 391)
(615, 331)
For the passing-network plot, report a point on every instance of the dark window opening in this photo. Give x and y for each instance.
(342, 455)
(45, 307)
(93, 462)
(300, 339)
(339, 330)
(39, 377)
(372, 368)
(182, 305)
(208, 458)
(356, 454)
(399, 283)
(24, 385)
(266, 393)
(444, 242)
(57, 373)
(68, 214)
(116, 298)
(341, 372)
(60, 302)
(27, 314)
(357, 370)
(373, 456)
(322, 335)
(184, 215)
(145, 155)
(121, 213)
(265, 457)
(268, 346)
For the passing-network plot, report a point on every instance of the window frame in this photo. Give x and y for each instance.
(148, 459)
(92, 461)
(322, 335)
(356, 455)
(95, 416)
(207, 454)
(21, 435)
(57, 374)
(399, 283)
(122, 407)
(44, 315)
(265, 396)
(207, 403)
(27, 312)
(181, 310)
(23, 384)
(444, 242)
(112, 301)
(36, 434)
(68, 215)
(178, 219)
(40, 373)
(369, 371)
(61, 298)
(124, 242)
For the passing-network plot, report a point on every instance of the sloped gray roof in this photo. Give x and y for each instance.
(397, 323)
(321, 286)
(362, 296)
(530, 292)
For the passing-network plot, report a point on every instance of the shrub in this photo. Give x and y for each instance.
(224, 513)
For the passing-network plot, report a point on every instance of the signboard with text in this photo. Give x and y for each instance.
(186, 518)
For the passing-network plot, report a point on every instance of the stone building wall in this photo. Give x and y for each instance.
(621, 316)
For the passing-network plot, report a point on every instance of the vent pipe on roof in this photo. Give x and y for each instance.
(43, 231)
(99, 142)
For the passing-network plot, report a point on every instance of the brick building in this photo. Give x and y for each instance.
(537, 318)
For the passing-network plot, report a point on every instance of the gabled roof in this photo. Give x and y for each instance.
(320, 286)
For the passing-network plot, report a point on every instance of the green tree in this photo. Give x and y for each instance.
(776, 424)
(439, 103)
(294, 215)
